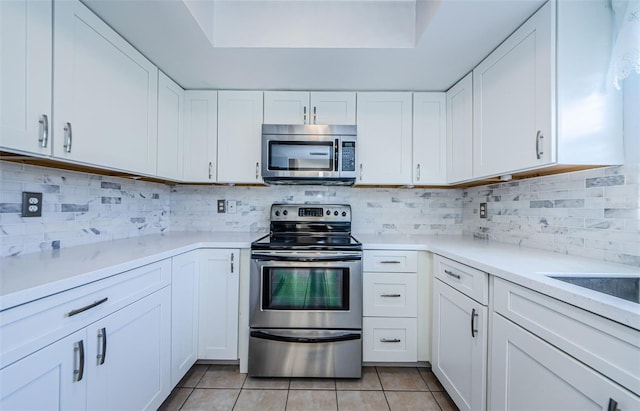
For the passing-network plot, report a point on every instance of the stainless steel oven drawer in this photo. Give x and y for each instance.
(305, 353)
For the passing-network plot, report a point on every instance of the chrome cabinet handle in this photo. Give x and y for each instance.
(613, 405)
(67, 137)
(389, 262)
(390, 295)
(44, 130)
(102, 336)
(539, 138)
(452, 274)
(474, 330)
(315, 115)
(232, 263)
(360, 171)
(78, 350)
(418, 172)
(88, 307)
(257, 170)
(304, 115)
(392, 340)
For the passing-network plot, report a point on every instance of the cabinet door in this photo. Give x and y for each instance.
(49, 379)
(200, 136)
(25, 78)
(286, 107)
(384, 138)
(129, 356)
(512, 101)
(460, 131)
(106, 94)
(239, 134)
(184, 313)
(429, 138)
(527, 373)
(170, 128)
(459, 357)
(333, 107)
(218, 313)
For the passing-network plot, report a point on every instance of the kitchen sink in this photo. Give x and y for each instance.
(627, 287)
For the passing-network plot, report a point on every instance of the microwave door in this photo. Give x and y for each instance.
(286, 156)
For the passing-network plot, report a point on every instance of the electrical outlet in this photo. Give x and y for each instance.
(231, 206)
(222, 208)
(31, 204)
(483, 210)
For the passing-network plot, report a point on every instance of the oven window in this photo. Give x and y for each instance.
(294, 155)
(287, 288)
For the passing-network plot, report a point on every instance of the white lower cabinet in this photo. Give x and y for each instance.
(390, 307)
(104, 345)
(527, 373)
(47, 379)
(185, 280)
(128, 353)
(459, 357)
(218, 304)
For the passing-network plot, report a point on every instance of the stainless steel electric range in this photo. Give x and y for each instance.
(306, 295)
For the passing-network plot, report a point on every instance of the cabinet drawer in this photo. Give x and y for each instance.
(390, 261)
(389, 295)
(61, 314)
(389, 339)
(469, 281)
(602, 344)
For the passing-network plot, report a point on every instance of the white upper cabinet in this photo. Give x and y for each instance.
(170, 128)
(541, 98)
(429, 138)
(512, 101)
(106, 95)
(25, 78)
(460, 131)
(384, 138)
(239, 134)
(301, 107)
(200, 136)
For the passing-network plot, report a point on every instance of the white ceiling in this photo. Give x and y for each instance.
(207, 44)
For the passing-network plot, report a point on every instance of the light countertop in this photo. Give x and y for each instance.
(31, 276)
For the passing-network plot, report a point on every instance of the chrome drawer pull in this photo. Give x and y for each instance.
(88, 307)
(102, 336)
(390, 295)
(44, 130)
(474, 330)
(452, 274)
(389, 262)
(394, 340)
(79, 372)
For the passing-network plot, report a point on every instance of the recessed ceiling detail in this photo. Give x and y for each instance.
(347, 24)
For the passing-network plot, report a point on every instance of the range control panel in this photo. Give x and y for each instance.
(311, 212)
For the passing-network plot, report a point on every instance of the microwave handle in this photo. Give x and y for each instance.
(336, 152)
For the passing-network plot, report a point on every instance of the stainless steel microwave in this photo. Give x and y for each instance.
(308, 154)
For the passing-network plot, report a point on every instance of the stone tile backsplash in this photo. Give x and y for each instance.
(593, 213)
(78, 208)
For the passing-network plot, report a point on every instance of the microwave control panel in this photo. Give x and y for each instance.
(348, 156)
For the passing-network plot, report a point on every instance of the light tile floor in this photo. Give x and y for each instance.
(222, 387)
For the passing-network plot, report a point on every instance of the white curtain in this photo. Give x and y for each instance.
(625, 58)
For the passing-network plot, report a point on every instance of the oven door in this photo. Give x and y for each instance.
(316, 290)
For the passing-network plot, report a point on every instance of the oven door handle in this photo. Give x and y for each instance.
(305, 340)
(270, 257)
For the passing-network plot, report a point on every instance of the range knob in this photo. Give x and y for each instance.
(328, 212)
(335, 213)
(344, 213)
(277, 213)
(285, 212)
